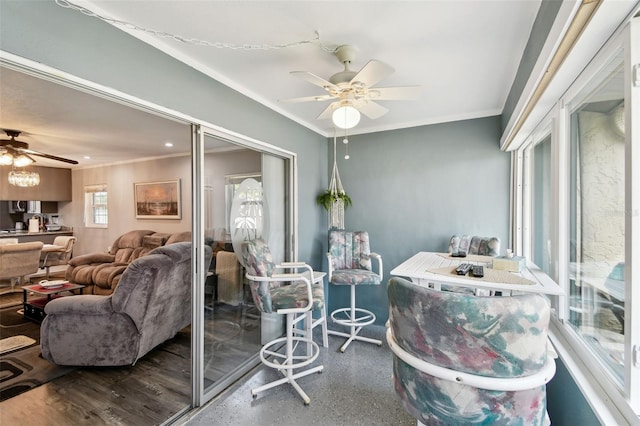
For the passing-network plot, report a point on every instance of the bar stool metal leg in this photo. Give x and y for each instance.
(355, 319)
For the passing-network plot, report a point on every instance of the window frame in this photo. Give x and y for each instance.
(610, 401)
(90, 205)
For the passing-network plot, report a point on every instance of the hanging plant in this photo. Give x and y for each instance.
(335, 200)
(328, 197)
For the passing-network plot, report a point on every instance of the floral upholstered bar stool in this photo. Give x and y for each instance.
(349, 260)
(470, 360)
(286, 294)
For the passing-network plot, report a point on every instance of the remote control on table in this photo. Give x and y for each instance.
(459, 254)
(463, 268)
(477, 271)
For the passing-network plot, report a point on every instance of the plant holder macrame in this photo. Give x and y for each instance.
(336, 212)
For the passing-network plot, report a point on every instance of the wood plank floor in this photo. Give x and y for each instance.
(149, 393)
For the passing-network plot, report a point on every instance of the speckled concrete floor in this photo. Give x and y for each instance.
(354, 389)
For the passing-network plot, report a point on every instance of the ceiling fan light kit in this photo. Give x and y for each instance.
(15, 153)
(346, 117)
(6, 159)
(22, 161)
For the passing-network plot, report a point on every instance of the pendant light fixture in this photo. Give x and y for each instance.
(24, 178)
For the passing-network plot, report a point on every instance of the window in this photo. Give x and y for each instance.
(596, 216)
(231, 185)
(541, 205)
(583, 228)
(96, 212)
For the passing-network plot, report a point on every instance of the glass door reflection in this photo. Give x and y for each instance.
(232, 323)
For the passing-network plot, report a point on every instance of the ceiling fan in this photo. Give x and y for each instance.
(11, 150)
(353, 91)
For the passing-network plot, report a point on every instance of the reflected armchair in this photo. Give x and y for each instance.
(19, 260)
(59, 256)
(464, 359)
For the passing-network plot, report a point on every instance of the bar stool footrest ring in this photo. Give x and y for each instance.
(367, 318)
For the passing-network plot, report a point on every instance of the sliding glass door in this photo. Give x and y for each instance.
(228, 328)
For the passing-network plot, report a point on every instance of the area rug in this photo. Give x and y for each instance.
(26, 369)
(12, 323)
(21, 367)
(10, 298)
(10, 344)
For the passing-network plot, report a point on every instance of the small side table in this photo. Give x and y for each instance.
(33, 309)
(318, 278)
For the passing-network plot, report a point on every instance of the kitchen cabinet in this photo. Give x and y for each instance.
(55, 185)
(33, 207)
(37, 207)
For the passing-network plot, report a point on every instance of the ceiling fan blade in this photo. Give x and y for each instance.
(314, 79)
(49, 156)
(372, 109)
(326, 114)
(394, 93)
(373, 72)
(309, 99)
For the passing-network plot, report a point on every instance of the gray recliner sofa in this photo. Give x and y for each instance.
(101, 272)
(151, 303)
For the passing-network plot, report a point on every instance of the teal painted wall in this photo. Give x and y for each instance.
(565, 403)
(414, 188)
(89, 48)
(539, 32)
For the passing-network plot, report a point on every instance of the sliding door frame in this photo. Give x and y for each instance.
(199, 129)
(199, 133)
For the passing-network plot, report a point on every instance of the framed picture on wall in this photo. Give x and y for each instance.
(157, 200)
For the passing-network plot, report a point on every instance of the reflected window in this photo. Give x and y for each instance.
(96, 211)
(597, 221)
(249, 215)
(231, 185)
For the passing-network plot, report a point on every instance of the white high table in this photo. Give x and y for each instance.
(418, 268)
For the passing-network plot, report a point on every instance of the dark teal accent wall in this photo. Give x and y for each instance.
(414, 188)
(89, 48)
(565, 403)
(539, 32)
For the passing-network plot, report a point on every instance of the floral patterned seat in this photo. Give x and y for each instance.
(463, 359)
(483, 246)
(349, 260)
(288, 294)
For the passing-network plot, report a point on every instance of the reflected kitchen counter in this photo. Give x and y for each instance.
(46, 237)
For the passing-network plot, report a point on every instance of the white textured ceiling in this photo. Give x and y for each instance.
(463, 54)
(57, 120)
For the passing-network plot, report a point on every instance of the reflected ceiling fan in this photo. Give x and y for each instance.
(18, 153)
(354, 92)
